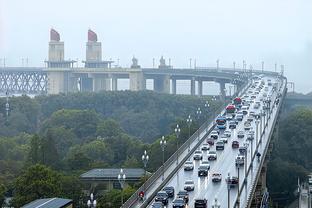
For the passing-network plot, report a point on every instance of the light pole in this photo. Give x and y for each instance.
(238, 194)
(91, 202)
(189, 123)
(7, 106)
(261, 124)
(229, 188)
(145, 159)
(163, 143)
(177, 131)
(234, 65)
(257, 125)
(122, 180)
(198, 113)
(214, 99)
(218, 61)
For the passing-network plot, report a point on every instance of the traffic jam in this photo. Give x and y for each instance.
(224, 149)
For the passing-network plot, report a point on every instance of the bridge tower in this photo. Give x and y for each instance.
(59, 77)
(162, 82)
(95, 82)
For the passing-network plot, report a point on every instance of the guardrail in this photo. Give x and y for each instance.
(249, 199)
(172, 159)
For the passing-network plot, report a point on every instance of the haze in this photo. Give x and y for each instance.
(206, 30)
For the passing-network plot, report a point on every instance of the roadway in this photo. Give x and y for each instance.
(225, 163)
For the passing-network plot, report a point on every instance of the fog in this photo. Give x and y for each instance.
(278, 31)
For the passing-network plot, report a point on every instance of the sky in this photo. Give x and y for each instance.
(273, 31)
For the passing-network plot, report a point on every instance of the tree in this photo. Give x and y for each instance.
(2, 192)
(108, 128)
(38, 181)
(34, 155)
(112, 199)
(79, 161)
(71, 188)
(49, 152)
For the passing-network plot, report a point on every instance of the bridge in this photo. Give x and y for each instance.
(60, 75)
(251, 189)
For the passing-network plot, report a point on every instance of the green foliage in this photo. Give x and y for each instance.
(291, 158)
(36, 182)
(112, 199)
(2, 192)
(108, 128)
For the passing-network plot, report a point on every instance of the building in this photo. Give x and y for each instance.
(49, 203)
(101, 180)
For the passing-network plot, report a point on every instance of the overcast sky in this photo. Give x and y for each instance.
(206, 30)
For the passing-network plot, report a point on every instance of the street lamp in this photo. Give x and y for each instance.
(234, 65)
(163, 143)
(238, 194)
(122, 180)
(214, 99)
(257, 125)
(7, 106)
(145, 159)
(218, 61)
(207, 105)
(177, 131)
(198, 113)
(229, 188)
(189, 123)
(91, 202)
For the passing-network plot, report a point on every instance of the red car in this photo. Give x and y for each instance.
(235, 144)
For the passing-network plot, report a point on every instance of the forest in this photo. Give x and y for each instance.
(47, 142)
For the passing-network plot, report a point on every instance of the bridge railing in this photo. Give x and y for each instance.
(249, 199)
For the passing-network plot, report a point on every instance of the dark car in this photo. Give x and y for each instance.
(203, 170)
(183, 195)
(200, 203)
(162, 196)
(169, 190)
(235, 144)
(232, 181)
(220, 145)
(157, 205)
(178, 203)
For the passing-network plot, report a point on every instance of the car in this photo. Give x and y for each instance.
(178, 203)
(247, 125)
(229, 117)
(250, 118)
(224, 139)
(162, 196)
(252, 113)
(212, 155)
(214, 135)
(242, 150)
(200, 203)
(227, 133)
(183, 195)
(188, 166)
(256, 106)
(232, 125)
(216, 177)
(205, 147)
(250, 136)
(157, 205)
(239, 117)
(210, 141)
(235, 120)
(245, 109)
(198, 155)
(239, 160)
(221, 126)
(189, 185)
(235, 144)
(169, 190)
(203, 170)
(232, 181)
(220, 145)
(240, 134)
(205, 163)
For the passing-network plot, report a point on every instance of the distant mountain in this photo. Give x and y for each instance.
(309, 94)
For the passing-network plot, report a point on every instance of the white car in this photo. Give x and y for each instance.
(212, 155)
(205, 147)
(198, 155)
(239, 160)
(224, 138)
(189, 185)
(216, 177)
(205, 163)
(240, 134)
(188, 165)
(227, 133)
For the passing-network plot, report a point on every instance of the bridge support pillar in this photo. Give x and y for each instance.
(174, 86)
(200, 88)
(114, 84)
(58, 82)
(162, 84)
(193, 86)
(222, 89)
(137, 81)
(101, 83)
(86, 84)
